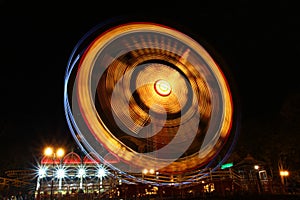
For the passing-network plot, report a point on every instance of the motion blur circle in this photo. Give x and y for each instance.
(144, 95)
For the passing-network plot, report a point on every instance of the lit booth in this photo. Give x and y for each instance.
(72, 174)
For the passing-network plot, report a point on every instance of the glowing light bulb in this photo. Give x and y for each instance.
(162, 87)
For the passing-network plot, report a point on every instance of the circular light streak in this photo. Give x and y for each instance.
(81, 172)
(42, 172)
(162, 87)
(174, 121)
(60, 152)
(101, 172)
(61, 173)
(48, 151)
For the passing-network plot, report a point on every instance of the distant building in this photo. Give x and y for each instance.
(253, 176)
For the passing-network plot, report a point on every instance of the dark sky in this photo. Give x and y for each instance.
(259, 42)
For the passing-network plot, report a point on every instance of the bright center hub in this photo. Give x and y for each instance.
(162, 87)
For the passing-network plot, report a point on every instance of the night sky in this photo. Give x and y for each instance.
(259, 43)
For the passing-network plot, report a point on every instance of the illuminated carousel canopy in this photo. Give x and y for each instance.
(72, 158)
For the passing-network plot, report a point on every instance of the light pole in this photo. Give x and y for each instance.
(258, 182)
(101, 173)
(283, 174)
(41, 174)
(54, 155)
(81, 174)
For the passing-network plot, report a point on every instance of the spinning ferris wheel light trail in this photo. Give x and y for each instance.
(150, 95)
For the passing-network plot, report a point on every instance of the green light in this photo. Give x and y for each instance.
(226, 165)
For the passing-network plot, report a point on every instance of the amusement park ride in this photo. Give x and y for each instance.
(154, 98)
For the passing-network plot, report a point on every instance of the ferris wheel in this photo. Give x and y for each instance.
(151, 96)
